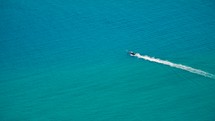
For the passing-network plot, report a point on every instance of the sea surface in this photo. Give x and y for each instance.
(67, 60)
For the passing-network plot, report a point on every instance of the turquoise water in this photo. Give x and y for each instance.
(67, 60)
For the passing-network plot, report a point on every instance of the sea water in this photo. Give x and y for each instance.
(67, 60)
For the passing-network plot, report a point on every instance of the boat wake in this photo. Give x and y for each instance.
(179, 66)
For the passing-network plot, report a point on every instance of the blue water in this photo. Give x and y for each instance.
(66, 60)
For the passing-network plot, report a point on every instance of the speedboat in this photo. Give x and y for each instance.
(131, 53)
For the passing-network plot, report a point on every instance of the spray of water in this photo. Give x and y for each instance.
(179, 66)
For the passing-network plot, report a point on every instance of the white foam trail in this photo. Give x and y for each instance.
(179, 66)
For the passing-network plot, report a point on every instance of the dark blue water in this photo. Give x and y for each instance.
(67, 60)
